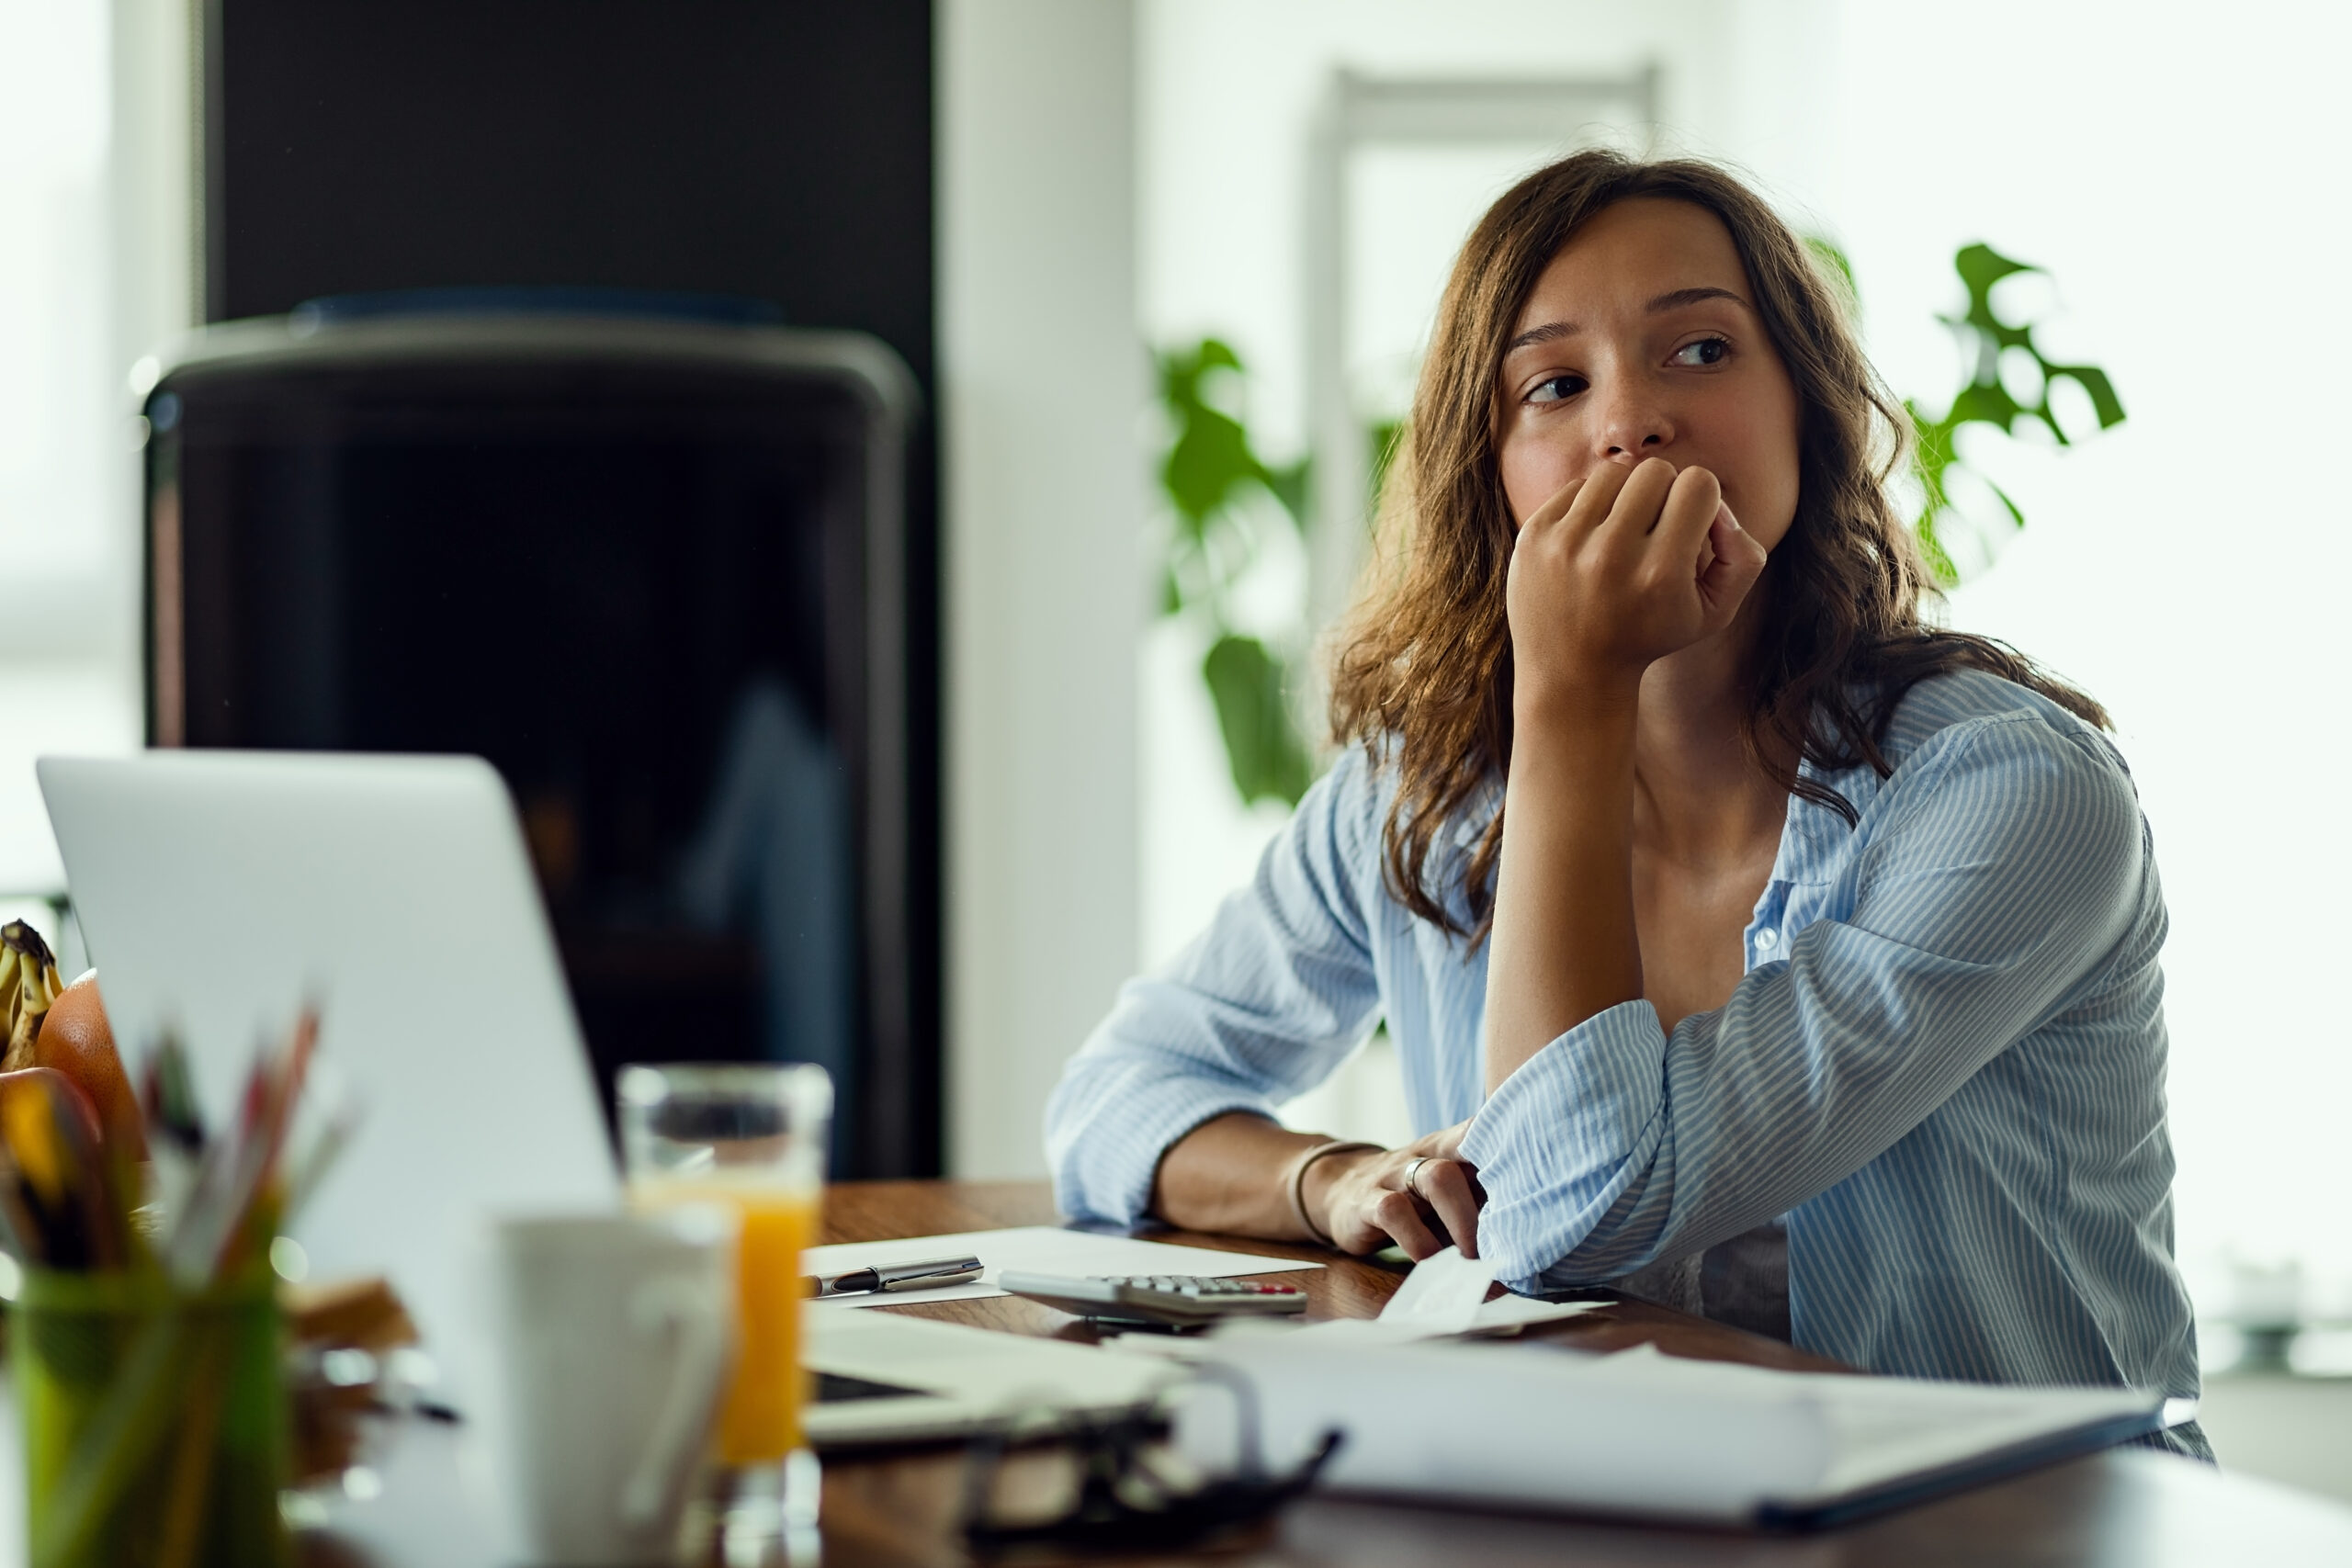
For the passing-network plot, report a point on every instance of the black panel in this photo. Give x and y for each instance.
(777, 150)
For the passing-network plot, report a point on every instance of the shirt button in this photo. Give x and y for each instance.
(1767, 937)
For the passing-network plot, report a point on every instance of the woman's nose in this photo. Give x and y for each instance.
(1633, 426)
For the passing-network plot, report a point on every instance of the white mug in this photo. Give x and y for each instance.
(615, 1338)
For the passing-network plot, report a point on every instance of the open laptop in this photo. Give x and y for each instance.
(220, 890)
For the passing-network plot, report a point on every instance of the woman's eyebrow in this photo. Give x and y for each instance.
(1551, 331)
(1547, 333)
(1682, 296)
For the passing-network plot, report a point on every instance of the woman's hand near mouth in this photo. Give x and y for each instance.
(1618, 569)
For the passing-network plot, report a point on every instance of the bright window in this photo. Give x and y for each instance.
(66, 574)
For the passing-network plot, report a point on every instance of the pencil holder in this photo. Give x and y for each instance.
(155, 1421)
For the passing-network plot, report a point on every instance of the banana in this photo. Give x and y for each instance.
(28, 985)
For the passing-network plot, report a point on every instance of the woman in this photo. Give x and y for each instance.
(1748, 943)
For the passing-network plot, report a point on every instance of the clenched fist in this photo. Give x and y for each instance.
(1621, 568)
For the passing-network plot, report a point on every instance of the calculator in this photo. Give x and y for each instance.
(1168, 1300)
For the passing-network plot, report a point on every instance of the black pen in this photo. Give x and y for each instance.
(894, 1277)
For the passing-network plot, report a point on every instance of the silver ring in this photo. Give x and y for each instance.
(1413, 1173)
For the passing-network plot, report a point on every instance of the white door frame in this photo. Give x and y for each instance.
(1360, 112)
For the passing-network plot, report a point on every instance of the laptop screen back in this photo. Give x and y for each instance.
(220, 890)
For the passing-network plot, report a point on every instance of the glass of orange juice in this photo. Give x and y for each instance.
(752, 1135)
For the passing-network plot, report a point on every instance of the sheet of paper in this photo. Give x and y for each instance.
(1504, 1315)
(1507, 1314)
(1034, 1249)
(1442, 1294)
(1446, 1294)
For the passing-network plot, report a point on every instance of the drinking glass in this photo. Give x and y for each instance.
(154, 1423)
(750, 1135)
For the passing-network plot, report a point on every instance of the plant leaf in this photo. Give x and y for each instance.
(1384, 436)
(1209, 466)
(1939, 564)
(1930, 457)
(2016, 517)
(1826, 251)
(1289, 485)
(1981, 267)
(1215, 354)
(1211, 455)
(2091, 380)
(1246, 681)
(1984, 401)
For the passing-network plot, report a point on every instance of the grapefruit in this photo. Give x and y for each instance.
(76, 1040)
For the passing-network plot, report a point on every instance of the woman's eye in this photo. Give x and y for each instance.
(1557, 388)
(1706, 351)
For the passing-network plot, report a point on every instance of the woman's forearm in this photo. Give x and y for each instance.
(1563, 946)
(1232, 1174)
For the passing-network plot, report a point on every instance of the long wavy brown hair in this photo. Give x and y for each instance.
(1422, 676)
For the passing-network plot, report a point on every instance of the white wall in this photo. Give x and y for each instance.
(1042, 379)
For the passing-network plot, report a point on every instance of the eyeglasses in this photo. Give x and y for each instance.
(1125, 1498)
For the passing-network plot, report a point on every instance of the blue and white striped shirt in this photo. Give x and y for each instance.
(1944, 1064)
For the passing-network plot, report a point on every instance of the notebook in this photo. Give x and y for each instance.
(1636, 1433)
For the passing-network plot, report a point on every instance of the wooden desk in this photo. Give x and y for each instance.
(2122, 1507)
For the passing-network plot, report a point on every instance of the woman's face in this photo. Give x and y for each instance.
(1640, 341)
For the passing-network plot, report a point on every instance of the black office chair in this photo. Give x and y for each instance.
(646, 555)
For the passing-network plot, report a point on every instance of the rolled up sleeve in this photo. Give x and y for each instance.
(1999, 867)
(1261, 1006)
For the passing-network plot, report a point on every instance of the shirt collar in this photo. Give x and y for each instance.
(1813, 839)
